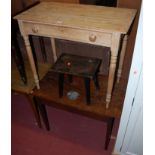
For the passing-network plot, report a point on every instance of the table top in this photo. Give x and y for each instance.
(97, 109)
(89, 17)
(76, 65)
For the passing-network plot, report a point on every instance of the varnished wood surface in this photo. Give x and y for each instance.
(96, 18)
(62, 1)
(97, 108)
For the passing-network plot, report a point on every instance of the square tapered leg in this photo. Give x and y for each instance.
(61, 84)
(87, 89)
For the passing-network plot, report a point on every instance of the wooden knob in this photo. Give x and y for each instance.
(92, 37)
(59, 22)
(35, 29)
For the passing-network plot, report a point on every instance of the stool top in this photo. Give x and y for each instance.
(76, 65)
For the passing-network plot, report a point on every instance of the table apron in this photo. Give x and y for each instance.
(68, 33)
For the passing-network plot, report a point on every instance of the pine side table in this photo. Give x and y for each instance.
(98, 25)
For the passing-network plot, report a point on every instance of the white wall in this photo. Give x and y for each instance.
(129, 139)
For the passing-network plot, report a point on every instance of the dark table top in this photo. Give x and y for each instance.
(76, 65)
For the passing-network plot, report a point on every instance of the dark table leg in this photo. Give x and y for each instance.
(35, 108)
(61, 84)
(43, 114)
(42, 46)
(87, 89)
(19, 61)
(15, 51)
(110, 123)
(96, 81)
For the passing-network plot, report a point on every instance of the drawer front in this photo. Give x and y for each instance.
(74, 34)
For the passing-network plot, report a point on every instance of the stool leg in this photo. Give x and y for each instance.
(110, 123)
(61, 84)
(87, 89)
(96, 82)
(43, 114)
(70, 78)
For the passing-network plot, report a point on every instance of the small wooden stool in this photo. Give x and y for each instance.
(84, 67)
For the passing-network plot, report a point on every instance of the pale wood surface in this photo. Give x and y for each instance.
(73, 34)
(54, 49)
(114, 52)
(31, 60)
(97, 18)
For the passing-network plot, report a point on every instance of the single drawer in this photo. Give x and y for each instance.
(68, 33)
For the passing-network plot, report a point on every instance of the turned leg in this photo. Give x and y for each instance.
(110, 123)
(35, 108)
(31, 60)
(113, 61)
(34, 52)
(122, 54)
(54, 49)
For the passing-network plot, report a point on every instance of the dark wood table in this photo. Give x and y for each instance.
(85, 67)
(48, 95)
